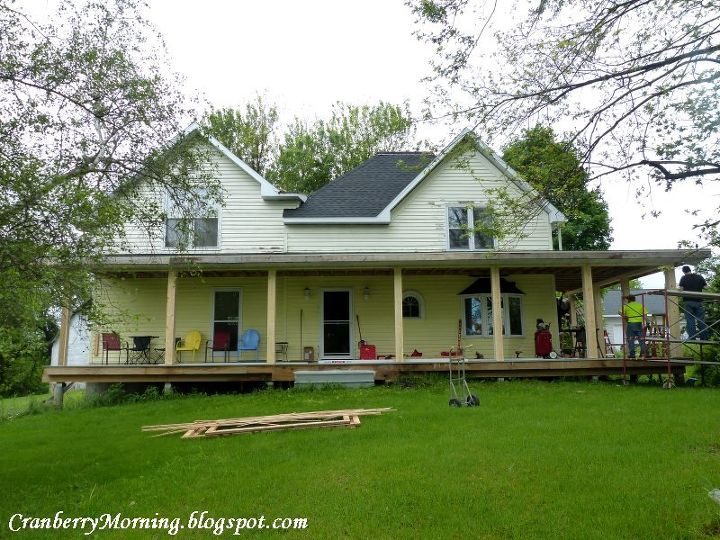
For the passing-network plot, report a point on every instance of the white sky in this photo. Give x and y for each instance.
(306, 55)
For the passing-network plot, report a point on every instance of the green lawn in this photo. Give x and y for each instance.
(535, 460)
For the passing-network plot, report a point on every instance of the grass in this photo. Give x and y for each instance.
(535, 460)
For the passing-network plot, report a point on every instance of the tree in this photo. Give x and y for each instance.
(312, 155)
(89, 124)
(249, 134)
(637, 82)
(554, 169)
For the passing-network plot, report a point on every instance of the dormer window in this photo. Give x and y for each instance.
(464, 228)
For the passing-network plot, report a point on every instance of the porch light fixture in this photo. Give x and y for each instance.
(366, 293)
(306, 292)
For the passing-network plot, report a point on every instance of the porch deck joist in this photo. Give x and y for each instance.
(384, 370)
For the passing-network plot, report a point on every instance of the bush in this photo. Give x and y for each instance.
(22, 359)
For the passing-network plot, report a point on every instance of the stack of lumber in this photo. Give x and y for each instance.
(254, 424)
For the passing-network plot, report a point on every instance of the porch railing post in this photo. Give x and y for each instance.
(398, 297)
(170, 318)
(589, 312)
(497, 313)
(673, 314)
(271, 314)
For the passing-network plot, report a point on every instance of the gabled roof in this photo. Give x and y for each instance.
(366, 190)
(368, 193)
(267, 190)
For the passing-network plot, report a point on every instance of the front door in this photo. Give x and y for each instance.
(336, 331)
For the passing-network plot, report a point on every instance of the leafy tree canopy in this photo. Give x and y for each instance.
(86, 117)
(249, 133)
(308, 155)
(555, 170)
(637, 82)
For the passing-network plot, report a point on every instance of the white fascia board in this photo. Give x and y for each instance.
(555, 215)
(427, 170)
(267, 190)
(377, 220)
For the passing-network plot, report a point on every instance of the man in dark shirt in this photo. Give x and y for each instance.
(693, 307)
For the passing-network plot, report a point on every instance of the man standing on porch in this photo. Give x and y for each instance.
(634, 313)
(693, 307)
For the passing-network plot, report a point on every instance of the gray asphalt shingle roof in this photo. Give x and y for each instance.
(367, 189)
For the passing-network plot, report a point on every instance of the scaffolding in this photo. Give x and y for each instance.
(664, 342)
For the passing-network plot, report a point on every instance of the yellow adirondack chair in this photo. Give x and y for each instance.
(191, 343)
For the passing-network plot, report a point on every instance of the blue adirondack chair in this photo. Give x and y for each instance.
(250, 341)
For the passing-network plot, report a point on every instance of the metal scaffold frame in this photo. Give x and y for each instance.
(669, 335)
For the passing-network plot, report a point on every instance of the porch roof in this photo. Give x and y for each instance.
(607, 266)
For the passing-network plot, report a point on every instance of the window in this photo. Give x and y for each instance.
(478, 315)
(412, 306)
(464, 224)
(198, 231)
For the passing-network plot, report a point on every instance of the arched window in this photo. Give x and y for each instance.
(412, 305)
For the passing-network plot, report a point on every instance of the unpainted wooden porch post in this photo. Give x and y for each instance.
(673, 314)
(64, 341)
(271, 314)
(599, 319)
(497, 313)
(170, 318)
(589, 310)
(397, 303)
(624, 293)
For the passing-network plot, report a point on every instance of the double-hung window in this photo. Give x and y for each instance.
(199, 229)
(478, 315)
(467, 228)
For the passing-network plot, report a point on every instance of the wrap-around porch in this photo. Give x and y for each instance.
(289, 299)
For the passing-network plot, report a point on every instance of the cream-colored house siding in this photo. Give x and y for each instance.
(137, 306)
(420, 222)
(247, 222)
(140, 304)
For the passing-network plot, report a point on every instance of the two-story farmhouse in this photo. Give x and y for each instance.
(388, 254)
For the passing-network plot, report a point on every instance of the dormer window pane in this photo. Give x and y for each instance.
(206, 232)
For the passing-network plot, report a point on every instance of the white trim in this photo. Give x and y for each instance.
(378, 220)
(351, 349)
(556, 216)
(267, 190)
(426, 171)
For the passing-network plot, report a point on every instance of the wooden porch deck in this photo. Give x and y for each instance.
(385, 370)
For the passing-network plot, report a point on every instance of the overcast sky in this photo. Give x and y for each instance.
(306, 55)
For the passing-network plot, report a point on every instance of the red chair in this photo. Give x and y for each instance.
(111, 342)
(220, 343)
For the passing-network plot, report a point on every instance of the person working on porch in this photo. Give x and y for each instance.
(693, 307)
(634, 314)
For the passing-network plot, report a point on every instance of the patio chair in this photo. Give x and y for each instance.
(250, 341)
(191, 343)
(111, 342)
(221, 342)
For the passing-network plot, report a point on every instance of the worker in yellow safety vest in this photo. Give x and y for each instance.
(634, 314)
